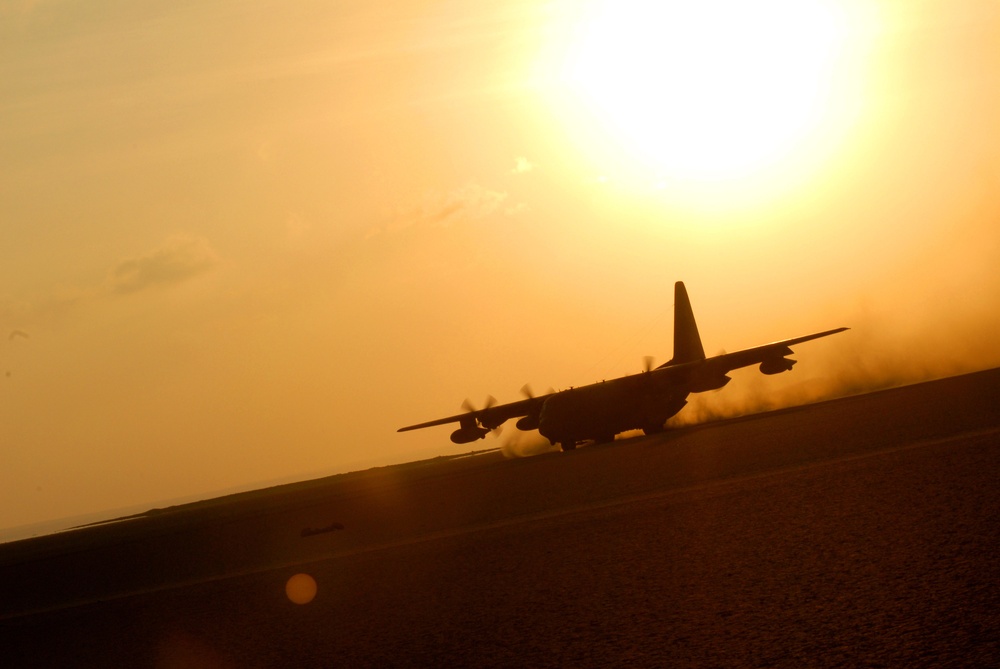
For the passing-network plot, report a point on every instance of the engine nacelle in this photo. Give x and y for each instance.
(465, 435)
(706, 383)
(777, 365)
(528, 423)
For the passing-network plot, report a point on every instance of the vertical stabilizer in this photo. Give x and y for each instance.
(687, 342)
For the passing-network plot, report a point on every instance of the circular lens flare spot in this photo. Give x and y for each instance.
(301, 588)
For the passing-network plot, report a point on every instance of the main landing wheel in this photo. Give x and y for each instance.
(568, 445)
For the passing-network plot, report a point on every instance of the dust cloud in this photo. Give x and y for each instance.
(517, 444)
(899, 342)
(907, 332)
(933, 316)
(891, 344)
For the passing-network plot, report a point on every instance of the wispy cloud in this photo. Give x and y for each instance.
(470, 202)
(179, 259)
(522, 165)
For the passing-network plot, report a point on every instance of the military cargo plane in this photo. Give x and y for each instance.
(645, 401)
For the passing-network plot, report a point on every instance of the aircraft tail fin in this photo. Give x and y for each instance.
(687, 341)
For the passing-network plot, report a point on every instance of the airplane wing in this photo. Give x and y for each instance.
(695, 376)
(771, 357)
(490, 417)
(773, 351)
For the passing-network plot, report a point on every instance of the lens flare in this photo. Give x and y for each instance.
(301, 588)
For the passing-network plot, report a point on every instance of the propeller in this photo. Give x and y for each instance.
(530, 394)
(490, 401)
(471, 408)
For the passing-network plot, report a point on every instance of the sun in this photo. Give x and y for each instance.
(709, 91)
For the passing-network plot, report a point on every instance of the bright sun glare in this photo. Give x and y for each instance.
(708, 91)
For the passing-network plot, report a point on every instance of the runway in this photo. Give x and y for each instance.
(857, 532)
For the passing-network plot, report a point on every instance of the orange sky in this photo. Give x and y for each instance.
(246, 242)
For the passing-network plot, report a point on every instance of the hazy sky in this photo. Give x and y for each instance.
(247, 241)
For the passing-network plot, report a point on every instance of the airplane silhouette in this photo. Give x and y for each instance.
(643, 401)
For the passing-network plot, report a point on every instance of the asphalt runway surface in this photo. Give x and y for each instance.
(861, 532)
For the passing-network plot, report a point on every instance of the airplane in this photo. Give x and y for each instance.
(644, 401)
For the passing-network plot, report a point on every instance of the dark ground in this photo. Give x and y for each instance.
(858, 533)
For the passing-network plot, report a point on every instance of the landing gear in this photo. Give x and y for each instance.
(568, 445)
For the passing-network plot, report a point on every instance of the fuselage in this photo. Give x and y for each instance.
(601, 410)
